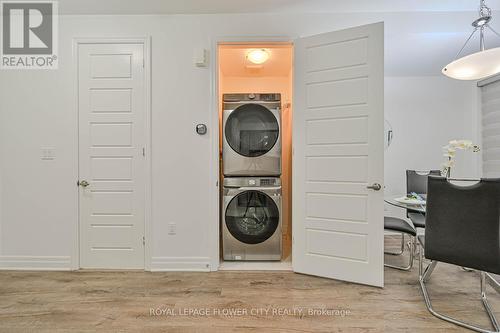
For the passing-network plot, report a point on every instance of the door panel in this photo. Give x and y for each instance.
(336, 93)
(337, 54)
(330, 131)
(337, 244)
(336, 206)
(111, 100)
(111, 66)
(326, 168)
(105, 168)
(338, 151)
(111, 138)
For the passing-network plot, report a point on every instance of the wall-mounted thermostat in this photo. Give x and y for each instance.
(201, 129)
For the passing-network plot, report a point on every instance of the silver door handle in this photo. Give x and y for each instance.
(83, 183)
(375, 187)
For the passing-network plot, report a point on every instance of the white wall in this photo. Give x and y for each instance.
(426, 113)
(38, 220)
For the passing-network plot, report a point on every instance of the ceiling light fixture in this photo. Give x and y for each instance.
(480, 64)
(258, 56)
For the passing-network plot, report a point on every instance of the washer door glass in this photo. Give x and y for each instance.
(251, 130)
(252, 217)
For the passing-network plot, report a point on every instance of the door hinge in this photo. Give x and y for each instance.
(143, 240)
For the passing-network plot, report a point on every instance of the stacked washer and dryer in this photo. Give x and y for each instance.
(251, 159)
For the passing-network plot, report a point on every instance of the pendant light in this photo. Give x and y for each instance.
(481, 64)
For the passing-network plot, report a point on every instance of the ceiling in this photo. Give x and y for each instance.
(262, 6)
(421, 36)
(233, 61)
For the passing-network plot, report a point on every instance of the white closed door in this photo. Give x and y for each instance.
(338, 155)
(111, 100)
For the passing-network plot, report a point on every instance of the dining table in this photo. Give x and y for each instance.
(392, 200)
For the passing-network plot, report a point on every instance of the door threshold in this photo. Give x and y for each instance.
(285, 265)
(107, 270)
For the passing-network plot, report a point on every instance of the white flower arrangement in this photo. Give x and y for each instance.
(450, 151)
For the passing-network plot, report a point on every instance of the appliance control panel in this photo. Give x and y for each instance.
(274, 97)
(268, 181)
(252, 182)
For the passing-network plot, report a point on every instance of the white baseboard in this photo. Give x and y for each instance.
(180, 264)
(63, 263)
(35, 263)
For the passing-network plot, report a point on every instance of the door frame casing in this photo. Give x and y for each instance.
(214, 188)
(146, 42)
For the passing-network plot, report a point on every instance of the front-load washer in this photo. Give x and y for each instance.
(251, 218)
(251, 135)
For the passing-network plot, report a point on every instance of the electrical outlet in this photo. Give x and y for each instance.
(172, 229)
(47, 153)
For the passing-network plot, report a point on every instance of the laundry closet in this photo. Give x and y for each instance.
(255, 131)
(335, 117)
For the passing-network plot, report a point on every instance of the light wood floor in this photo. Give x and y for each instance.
(122, 301)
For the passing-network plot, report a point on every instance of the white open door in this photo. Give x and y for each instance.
(338, 154)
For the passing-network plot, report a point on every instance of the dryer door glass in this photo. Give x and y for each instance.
(252, 217)
(252, 130)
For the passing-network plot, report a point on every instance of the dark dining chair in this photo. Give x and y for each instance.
(416, 181)
(463, 229)
(397, 225)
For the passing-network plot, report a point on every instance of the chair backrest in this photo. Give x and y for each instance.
(463, 223)
(416, 181)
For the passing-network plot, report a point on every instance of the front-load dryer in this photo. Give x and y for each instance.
(251, 135)
(252, 219)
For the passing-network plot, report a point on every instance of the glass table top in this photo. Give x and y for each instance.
(392, 201)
